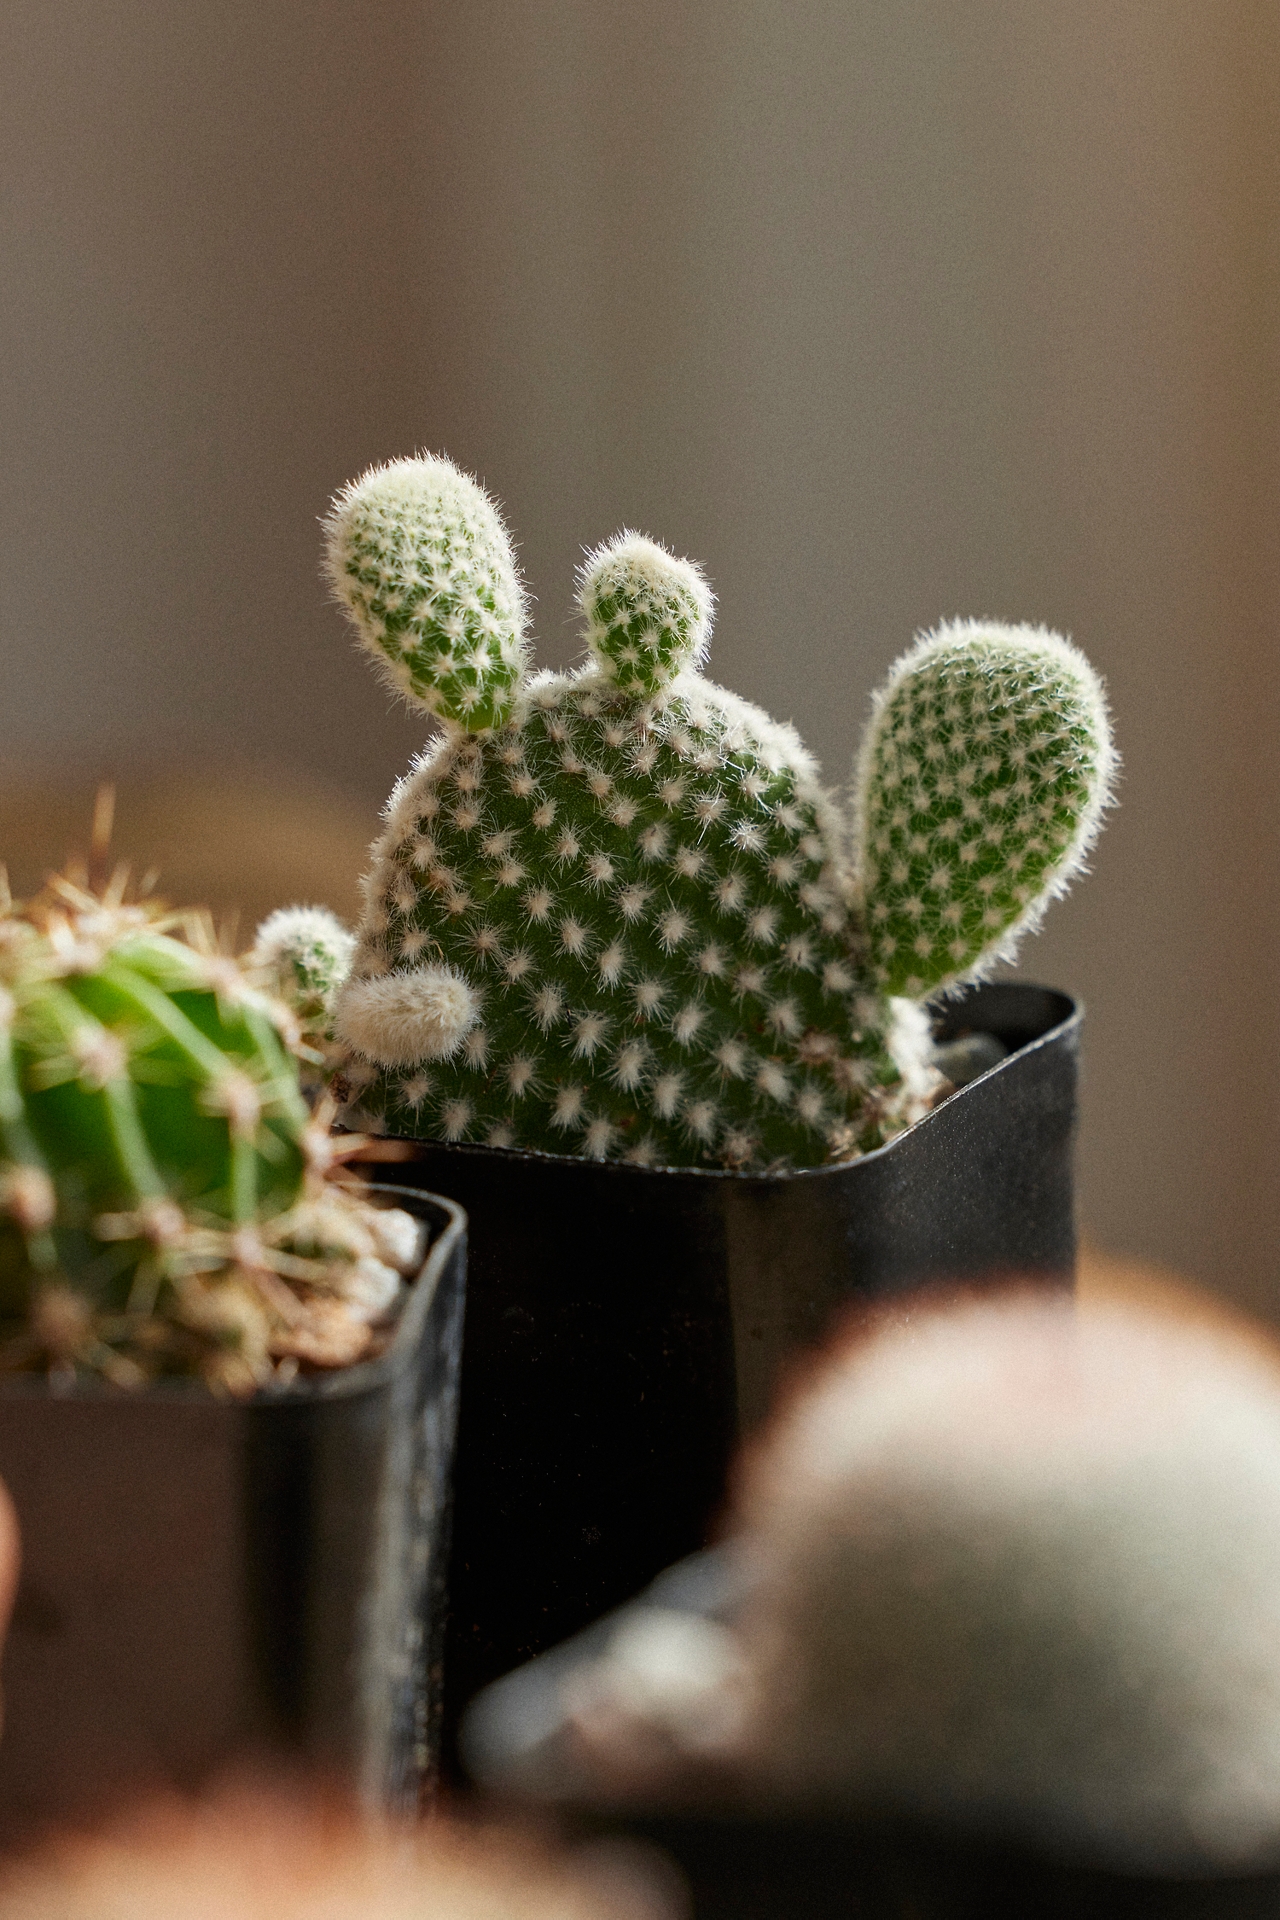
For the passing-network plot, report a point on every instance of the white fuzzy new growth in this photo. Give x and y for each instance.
(303, 948)
(400, 1019)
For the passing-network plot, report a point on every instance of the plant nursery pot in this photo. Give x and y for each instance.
(625, 1324)
(750, 1862)
(208, 1581)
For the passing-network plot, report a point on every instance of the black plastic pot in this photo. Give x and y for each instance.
(206, 1581)
(624, 1325)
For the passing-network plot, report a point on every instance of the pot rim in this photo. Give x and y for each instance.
(1071, 1016)
(362, 1376)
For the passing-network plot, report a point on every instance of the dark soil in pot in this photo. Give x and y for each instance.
(206, 1580)
(625, 1325)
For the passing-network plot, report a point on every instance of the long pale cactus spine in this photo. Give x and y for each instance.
(162, 1206)
(614, 912)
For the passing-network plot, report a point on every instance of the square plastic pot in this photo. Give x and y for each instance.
(207, 1581)
(625, 1324)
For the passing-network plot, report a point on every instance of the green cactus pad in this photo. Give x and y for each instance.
(983, 777)
(648, 614)
(420, 560)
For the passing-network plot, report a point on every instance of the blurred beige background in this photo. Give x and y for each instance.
(884, 311)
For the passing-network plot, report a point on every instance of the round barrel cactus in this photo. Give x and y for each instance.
(615, 913)
(163, 1207)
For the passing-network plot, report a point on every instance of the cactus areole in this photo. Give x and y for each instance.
(614, 913)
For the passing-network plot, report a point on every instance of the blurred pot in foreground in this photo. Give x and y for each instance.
(1002, 1574)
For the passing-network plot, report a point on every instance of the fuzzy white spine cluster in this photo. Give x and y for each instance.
(302, 955)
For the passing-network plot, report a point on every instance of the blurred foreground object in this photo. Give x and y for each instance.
(247, 1856)
(1002, 1572)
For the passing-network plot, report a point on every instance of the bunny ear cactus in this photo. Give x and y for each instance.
(613, 913)
(162, 1203)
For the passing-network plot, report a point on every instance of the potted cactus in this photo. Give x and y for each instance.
(655, 1008)
(226, 1380)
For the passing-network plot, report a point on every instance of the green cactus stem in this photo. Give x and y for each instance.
(425, 568)
(613, 912)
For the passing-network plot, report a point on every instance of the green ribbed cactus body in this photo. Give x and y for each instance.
(140, 1081)
(613, 913)
(163, 1202)
(645, 900)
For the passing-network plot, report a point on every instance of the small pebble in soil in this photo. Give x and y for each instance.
(400, 1238)
(964, 1059)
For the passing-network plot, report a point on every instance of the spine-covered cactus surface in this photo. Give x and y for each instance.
(614, 912)
(163, 1202)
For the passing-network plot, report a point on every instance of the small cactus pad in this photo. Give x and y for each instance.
(420, 560)
(984, 774)
(648, 614)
